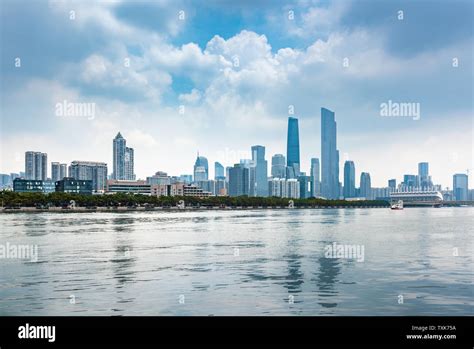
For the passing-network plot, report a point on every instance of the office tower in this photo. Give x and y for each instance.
(201, 169)
(329, 155)
(424, 178)
(90, 170)
(55, 175)
(278, 166)
(227, 169)
(293, 145)
(252, 167)
(218, 171)
(349, 179)
(392, 184)
(460, 187)
(315, 178)
(365, 187)
(239, 180)
(62, 171)
(36, 165)
(304, 183)
(409, 181)
(123, 159)
(186, 179)
(261, 168)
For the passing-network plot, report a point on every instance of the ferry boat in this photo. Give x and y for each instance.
(397, 206)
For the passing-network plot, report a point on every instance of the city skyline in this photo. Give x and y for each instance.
(174, 90)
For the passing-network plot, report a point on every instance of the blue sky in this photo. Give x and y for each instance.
(236, 67)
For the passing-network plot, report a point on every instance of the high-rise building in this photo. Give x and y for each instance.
(92, 171)
(392, 184)
(239, 177)
(409, 182)
(365, 186)
(55, 171)
(159, 178)
(349, 179)
(315, 178)
(62, 171)
(305, 190)
(293, 146)
(36, 165)
(252, 167)
(284, 188)
(278, 166)
(218, 171)
(123, 159)
(329, 155)
(201, 169)
(261, 168)
(424, 179)
(460, 187)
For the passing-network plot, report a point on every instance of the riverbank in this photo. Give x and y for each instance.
(172, 208)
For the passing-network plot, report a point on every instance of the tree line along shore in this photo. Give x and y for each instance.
(14, 200)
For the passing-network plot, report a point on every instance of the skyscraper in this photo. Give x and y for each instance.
(62, 171)
(278, 166)
(123, 159)
(36, 165)
(365, 186)
(261, 168)
(252, 181)
(238, 180)
(460, 187)
(55, 175)
(315, 178)
(349, 179)
(424, 178)
(218, 171)
(392, 184)
(201, 169)
(329, 155)
(293, 146)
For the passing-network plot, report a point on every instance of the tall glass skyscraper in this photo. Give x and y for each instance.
(201, 169)
(329, 155)
(423, 175)
(293, 146)
(218, 171)
(123, 159)
(278, 166)
(365, 186)
(261, 169)
(349, 179)
(460, 187)
(239, 177)
(315, 178)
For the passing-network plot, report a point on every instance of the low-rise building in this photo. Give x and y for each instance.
(126, 186)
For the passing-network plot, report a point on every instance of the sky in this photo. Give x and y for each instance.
(216, 77)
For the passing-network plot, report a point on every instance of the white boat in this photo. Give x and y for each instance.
(397, 206)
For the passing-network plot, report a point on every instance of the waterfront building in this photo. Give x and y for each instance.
(130, 187)
(365, 186)
(90, 170)
(315, 178)
(27, 185)
(349, 179)
(239, 179)
(392, 184)
(261, 168)
(72, 185)
(278, 166)
(305, 187)
(219, 172)
(293, 146)
(460, 187)
(36, 165)
(329, 155)
(159, 178)
(201, 169)
(123, 159)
